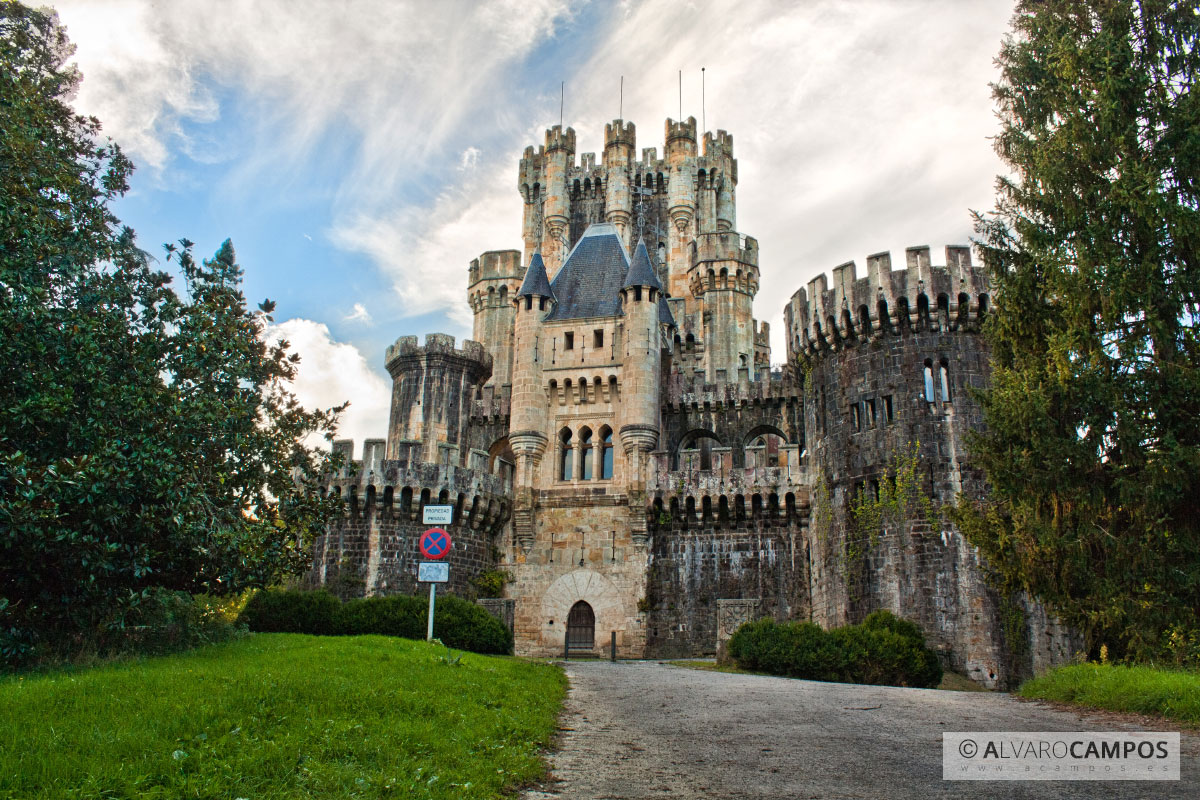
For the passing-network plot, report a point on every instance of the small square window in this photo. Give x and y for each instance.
(598, 339)
(888, 417)
(569, 341)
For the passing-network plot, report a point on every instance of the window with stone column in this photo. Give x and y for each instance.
(564, 460)
(585, 454)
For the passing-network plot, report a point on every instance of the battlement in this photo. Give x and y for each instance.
(492, 402)
(619, 132)
(720, 145)
(496, 264)
(437, 344)
(762, 333)
(685, 391)
(685, 129)
(723, 246)
(830, 314)
(558, 139)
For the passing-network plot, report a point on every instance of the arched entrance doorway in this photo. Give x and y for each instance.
(581, 627)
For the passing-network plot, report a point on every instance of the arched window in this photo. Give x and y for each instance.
(585, 454)
(564, 461)
(944, 374)
(929, 381)
(606, 458)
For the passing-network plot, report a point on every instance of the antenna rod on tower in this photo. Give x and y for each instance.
(621, 107)
(703, 124)
(681, 95)
(562, 89)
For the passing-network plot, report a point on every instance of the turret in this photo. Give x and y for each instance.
(529, 405)
(560, 158)
(493, 281)
(433, 388)
(722, 178)
(724, 276)
(619, 141)
(640, 300)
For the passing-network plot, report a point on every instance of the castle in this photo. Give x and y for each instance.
(615, 442)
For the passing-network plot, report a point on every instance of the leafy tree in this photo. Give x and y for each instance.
(148, 441)
(1092, 445)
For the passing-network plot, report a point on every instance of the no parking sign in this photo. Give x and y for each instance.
(435, 544)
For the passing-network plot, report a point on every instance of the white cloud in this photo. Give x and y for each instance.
(359, 314)
(860, 125)
(330, 373)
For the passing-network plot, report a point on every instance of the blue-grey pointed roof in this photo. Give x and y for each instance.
(641, 271)
(536, 283)
(589, 282)
(664, 311)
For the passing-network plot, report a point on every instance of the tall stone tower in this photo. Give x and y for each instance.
(493, 281)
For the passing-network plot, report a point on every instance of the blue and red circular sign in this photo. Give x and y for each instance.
(435, 543)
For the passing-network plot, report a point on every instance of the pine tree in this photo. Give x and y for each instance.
(1092, 447)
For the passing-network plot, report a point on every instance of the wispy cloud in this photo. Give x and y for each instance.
(359, 314)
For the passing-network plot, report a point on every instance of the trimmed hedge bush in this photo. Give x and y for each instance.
(883, 650)
(457, 622)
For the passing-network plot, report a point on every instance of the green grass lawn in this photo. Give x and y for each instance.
(281, 716)
(1142, 690)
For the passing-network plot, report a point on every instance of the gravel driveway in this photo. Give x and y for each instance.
(649, 730)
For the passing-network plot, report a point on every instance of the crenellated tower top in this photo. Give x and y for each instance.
(830, 314)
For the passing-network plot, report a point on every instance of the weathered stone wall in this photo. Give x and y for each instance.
(694, 567)
(373, 548)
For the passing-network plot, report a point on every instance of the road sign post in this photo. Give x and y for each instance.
(435, 544)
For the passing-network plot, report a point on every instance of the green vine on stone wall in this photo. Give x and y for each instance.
(900, 499)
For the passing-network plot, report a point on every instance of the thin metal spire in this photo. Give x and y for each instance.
(703, 124)
(621, 107)
(562, 96)
(681, 95)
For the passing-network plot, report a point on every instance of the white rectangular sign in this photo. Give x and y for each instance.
(433, 572)
(437, 515)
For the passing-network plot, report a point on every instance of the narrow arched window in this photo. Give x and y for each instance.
(929, 381)
(606, 459)
(944, 375)
(564, 466)
(585, 454)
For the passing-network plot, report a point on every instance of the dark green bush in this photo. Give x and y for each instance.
(884, 649)
(457, 622)
(291, 611)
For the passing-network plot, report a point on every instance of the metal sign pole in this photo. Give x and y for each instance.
(432, 598)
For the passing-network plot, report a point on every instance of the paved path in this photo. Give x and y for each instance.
(649, 730)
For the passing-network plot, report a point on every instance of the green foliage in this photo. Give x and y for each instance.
(148, 441)
(282, 716)
(456, 622)
(1140, 690)
(293, 611)
(491, 582)
(883, 650)
(900, 500)
(1092, 447)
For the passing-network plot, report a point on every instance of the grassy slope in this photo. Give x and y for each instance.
(1142, 690)
(281, 716)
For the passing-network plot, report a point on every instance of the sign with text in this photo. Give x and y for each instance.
(433, 572)
(437, 515)
(435, 543)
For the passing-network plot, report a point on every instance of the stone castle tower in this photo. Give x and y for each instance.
(615, 441)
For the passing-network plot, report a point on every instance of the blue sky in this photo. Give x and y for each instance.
(359, 154)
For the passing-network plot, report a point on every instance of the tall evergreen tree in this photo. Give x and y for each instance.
(1092, 446)
(148, 440)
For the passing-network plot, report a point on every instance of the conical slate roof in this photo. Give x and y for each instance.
(641, 271)
(588, 284)
(664, 311)
(536, 283)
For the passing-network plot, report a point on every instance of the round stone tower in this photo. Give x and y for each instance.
(620, 138)
(494, 279)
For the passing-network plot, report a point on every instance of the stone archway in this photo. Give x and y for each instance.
(611, 611)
